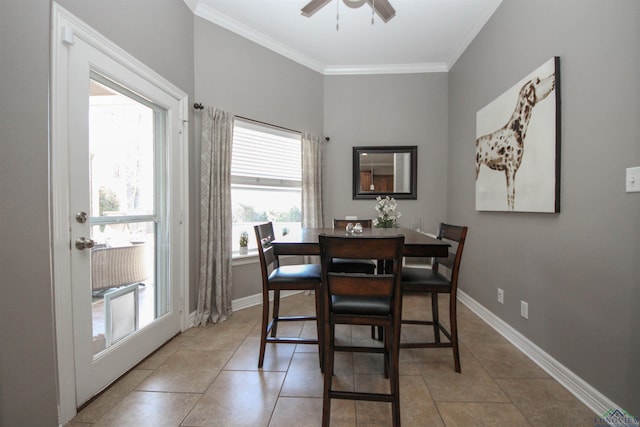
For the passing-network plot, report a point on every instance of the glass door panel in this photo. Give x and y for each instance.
(122, 165)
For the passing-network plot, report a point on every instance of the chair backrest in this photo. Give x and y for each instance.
(268, 259)
(342, 223)
(388, 248)
(456, 235)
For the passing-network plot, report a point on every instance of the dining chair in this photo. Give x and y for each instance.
(353, 265)
(361, 299)
(347, 265)
(433, 281)
(276, 278)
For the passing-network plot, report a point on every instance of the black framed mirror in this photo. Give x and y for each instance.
(385, 171)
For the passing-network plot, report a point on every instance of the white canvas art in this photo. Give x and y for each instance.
(517, 146)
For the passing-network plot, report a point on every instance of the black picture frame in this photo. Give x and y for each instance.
(399, 178)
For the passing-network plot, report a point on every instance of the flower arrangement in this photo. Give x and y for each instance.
(387, 215)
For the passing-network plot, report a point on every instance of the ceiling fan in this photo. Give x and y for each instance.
(382, 7)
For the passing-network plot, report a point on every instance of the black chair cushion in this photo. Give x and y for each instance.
(296, 273)
(424, 277)
(346, 265)
(376, 306)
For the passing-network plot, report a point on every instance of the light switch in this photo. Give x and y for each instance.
(633, 179)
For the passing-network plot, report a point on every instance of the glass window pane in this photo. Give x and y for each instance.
(266, 176)
(123, 255)
(121, 154)
(126, 291)
(252, 206)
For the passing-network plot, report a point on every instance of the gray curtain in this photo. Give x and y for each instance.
(312, 154)
(214, 284)
(312, 211)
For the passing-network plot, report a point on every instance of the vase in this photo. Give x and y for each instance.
(244, 250)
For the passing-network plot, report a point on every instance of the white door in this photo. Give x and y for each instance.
(124, 206)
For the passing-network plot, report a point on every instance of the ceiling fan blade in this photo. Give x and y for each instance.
(383, 8)
(313, 6)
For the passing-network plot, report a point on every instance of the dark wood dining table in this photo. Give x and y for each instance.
(305, 241)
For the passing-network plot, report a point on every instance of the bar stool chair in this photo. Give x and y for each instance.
(276, 278)
(361, 299)
(347, 265)
(433, 281)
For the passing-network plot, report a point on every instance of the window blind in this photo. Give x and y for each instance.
(265, 156)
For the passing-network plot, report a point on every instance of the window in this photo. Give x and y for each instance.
(266, 179)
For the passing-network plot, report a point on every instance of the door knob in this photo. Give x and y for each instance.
(82, 217)
(84, 243)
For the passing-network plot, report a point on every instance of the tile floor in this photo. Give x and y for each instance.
(209, 377)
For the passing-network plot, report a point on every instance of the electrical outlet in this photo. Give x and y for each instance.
(524, 309)
(500, 296)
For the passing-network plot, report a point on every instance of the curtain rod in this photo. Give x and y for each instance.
(199, 106)
(268, 124)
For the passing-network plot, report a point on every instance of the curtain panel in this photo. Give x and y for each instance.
(214, 283)
(312, 154)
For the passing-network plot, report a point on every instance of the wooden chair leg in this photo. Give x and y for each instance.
(453, 322)
(387, 349)
(276, 312)
(380, 333)
(263, 330)
(329, 335)
(394, 378)
(319, 327)
(435, 317)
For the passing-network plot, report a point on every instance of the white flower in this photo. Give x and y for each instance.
(387, 215)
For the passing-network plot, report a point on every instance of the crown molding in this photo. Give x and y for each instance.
(247, 32)
(205, 12)
(192, 4)
(473, 32)
(336, 70)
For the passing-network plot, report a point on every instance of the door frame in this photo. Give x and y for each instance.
(65, 29)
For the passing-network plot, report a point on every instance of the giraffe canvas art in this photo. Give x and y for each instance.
(518, 146)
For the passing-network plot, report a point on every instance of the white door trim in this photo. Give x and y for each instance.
(65, 29)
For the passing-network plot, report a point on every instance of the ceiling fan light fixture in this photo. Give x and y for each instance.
(383, 9)
(354, 3)
(373, 11)
(380, 7)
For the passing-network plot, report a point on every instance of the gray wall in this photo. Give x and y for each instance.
(396, 109)
(579, 269)
(159, 33)
(248, 80)
(27, 365)
(237, 75)
(164, 43)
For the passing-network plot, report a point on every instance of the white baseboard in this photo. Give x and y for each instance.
(588, 395)
(582, 390)
(256, 299)
(245, 302)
